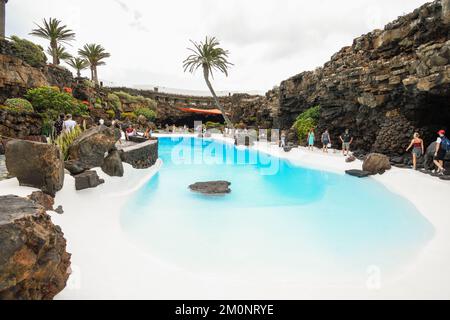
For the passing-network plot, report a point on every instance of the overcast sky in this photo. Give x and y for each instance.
(268, 40)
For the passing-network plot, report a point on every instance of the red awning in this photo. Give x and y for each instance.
(203, 111)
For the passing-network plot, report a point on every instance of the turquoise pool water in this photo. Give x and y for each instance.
(279, 219)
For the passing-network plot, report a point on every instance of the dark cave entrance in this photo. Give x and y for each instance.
(430, 114)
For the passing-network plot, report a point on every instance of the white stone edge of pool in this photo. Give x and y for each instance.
(106, 264)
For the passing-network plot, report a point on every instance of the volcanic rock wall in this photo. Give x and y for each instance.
(251, 110)
(16, 76)
(386, 85)
(254, 111)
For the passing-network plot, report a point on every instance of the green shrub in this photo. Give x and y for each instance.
(29, 52)
(88, 83)
(114, 101)
(130, 116)
(18, 105)
(66, 139)
(111, 114)
(146, 112)
(213, 125)
(53, 102)
(125, 97)
(47, 126)
(305, 121)
(128, 98)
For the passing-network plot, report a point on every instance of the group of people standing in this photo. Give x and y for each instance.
(345, 138)
(65, 123)
(416, 146)
(442, 147)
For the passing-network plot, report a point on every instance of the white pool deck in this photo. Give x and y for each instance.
(107, 265)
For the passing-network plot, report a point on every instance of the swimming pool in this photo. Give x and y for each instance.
(282, 221)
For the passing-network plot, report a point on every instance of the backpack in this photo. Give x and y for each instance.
(445, 144)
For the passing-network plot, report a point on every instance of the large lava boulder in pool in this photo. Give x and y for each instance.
(376, 163)
(35, 164)
(34, 263)
(90, 148)
(211, 187)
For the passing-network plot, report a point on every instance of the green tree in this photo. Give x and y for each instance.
(78, 64)
(94, 54)
(57, 33)
(209, 56)
(305, 121)
(60, 54)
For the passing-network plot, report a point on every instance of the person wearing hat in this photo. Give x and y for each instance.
(442, 146)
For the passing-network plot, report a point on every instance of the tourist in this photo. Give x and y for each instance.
(326, 141)
(283, 139)
(130, 132)
(147, 133)
(311, 139)
(59, 125)
(101, 122)
(346, 140)
(417, 149)
(117, 130)
(442, 146)
(69, 124)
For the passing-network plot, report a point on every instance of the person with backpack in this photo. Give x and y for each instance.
(442, 147)
(326, 141)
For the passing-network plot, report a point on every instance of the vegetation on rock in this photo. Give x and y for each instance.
(52, 101)
(130, 116)
(128, 98)
(66, 139)
(18, 105)
(29, 52)
(149, 114)
(115, 102)
(305, 121)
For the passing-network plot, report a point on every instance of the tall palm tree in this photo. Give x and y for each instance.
(209, 56)
(2, 18)
(56, 33)
(94, 54)
(78, 64)
(59, 54)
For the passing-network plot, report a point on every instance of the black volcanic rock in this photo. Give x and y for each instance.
(358, 173)
(211, 187)
(87, 179)
(385, 86)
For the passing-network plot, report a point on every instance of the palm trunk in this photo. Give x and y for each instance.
(78, 73)
(92, 73)
(54, 46)
(2, 18)
(216, 100)
(95, 75)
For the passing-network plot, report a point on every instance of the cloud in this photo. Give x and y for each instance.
(269, 41)
(136, 16)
